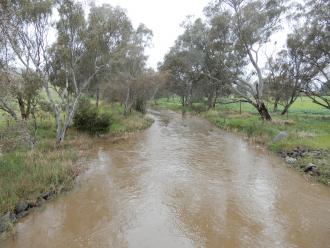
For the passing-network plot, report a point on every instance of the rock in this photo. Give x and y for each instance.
(315, 153)
(290, 160)
(304, 153)
(312, 169)
(282, 154)
(40, 201)
(294, 154)
(280, 136)
(6, 221)
(4, 226)
(46, 195)
(21, 207)
(32, 204)
(22, 214)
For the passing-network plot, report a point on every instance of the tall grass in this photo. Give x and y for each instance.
(26, 174)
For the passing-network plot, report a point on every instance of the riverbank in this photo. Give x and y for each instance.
(181, 183)
(302, 139)
(30, 177)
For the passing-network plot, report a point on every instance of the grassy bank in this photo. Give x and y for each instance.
(307, 126)
(133, 122)
(27, 174)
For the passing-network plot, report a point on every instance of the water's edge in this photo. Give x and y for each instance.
(182, 183)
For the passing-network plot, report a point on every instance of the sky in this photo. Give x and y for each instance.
(163, 17)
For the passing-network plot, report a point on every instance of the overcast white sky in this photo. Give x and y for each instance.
(163, 17)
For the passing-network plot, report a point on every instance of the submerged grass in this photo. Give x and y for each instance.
(26, 174)
(121, 124)
(308, 127)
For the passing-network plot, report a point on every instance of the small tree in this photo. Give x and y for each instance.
(252, 24)
(129, 69)
(73, 66)
(23, 26)
(185, 62)
(311, 40)
(286, 78)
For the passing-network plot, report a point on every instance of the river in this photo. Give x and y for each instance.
(182, 183)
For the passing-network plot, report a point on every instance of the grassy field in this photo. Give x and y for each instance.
(307, 124)
(303, 105)
(26, 174)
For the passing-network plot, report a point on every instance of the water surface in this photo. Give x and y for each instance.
(182, 183)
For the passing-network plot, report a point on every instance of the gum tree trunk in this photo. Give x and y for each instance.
(263, 111)
(69, 114)
(276, 104)
(97, 96)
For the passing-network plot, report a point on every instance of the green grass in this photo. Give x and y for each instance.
(26, 174)
(310, 132)
(303, 105)
(308, 126)
(131, 123)
(121, 124)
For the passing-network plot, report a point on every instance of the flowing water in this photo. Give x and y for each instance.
(182, 183)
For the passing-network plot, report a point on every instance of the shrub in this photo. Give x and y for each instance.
(89, 119)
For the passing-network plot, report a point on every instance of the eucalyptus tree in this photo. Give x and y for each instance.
(146, 89)
(8, 82)
(176, 66)
(185, 62)
(109, 32)
(311, 40)
(71, 69)
(129, 68)
(23, 28)
(86, 52)
(198, 63)
(83, 49)
(19, 87)
(286, 79)
(23, 86)
(277, 81)
(220, 58)
(8, 85)
(252, 24)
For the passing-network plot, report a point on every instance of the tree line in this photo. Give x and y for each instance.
(228, 54)
(52, 53)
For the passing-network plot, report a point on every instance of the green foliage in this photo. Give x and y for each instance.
(310, 40)
(89, 119)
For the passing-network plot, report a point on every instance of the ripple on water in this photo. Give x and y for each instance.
(182, 183)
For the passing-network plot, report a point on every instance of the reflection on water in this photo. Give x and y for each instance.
(182, 183)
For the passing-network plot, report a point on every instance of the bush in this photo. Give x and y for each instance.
(88, 118)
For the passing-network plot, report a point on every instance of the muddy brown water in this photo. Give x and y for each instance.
(182, 183)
